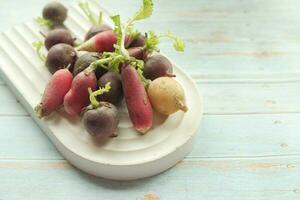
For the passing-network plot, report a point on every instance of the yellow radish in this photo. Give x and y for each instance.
(166, 96)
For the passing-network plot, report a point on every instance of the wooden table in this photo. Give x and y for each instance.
(244, 55)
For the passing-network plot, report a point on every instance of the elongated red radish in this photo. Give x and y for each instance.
(137, 101)
(55, 91)
(78, 96)
(103, 41)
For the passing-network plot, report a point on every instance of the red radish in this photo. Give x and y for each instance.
(103, 41)
(56, 89)
(138, 104)
(78, 96)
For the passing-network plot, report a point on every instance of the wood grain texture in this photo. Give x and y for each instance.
(244, 56)
(253, 98)
(190, 179)
(229, 36)
(230, 136)
(8, 103)
(21, 138)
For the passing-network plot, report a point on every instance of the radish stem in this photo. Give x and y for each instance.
(87, 11)
(95, 103)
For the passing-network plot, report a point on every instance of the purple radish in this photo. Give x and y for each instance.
(158, 66)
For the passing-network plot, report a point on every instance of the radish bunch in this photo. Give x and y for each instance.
(92, 79)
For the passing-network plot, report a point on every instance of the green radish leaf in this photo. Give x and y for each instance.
(152, 40)
(100, 18)
(44, 22)
(102, 90)
(95, 103)
(143, 79)
(93, 99)
(38, 45)
(134, 33)
(144, 12)
(103, 62)
(178, 43)
(140, 64)
(88, 12)
(116, 62)
(118, 30)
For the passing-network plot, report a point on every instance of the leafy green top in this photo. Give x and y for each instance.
(178, 43)
(94, 102)
(112, 60)
(44, 22)
(144, 12)
(94, 19)
(38, 45)
(152, 40)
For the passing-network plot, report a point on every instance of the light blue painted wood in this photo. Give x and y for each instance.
(190, 180)
(254, 98)
(8, 103)
(230, 136)
(245, 57)
(252, 136)
(21, 138)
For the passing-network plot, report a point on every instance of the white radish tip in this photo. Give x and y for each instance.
(38, 110)
(142, 130)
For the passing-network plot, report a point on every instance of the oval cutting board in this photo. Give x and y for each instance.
(126, 157)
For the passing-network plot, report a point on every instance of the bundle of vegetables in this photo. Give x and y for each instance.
(112, 64)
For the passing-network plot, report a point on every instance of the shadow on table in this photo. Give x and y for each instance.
(120, 185)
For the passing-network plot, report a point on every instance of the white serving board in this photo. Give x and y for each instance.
(126, 157)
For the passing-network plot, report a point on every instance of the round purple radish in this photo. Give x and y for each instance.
(101, 122)
(60, 56)
(115, 94)
(157, 66)
(138, 53)
(57, 36)
(55, 12)
(84, 62)
(138, 42)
